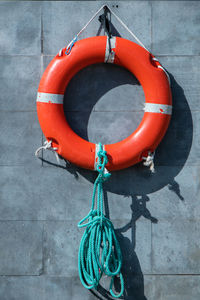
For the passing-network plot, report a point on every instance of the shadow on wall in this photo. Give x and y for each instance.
(172, 152)
(131, 270)
(137, 181)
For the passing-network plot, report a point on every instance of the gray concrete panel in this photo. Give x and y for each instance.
(20, 28)
(20, 136)
(21, 248)
(175, 27)
(19, 79)
(178, 253)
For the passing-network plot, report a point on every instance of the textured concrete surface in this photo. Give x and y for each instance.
(157, 217)
(20, 25)
(20, 248)
(175, 28)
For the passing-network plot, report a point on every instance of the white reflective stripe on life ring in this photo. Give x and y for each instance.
(158, 108)
(109, 57)
(50, 98)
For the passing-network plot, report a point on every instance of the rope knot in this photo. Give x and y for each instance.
(102, 161)
(149, 161)
(48, 146)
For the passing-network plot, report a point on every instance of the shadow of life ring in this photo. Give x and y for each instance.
(157, 107)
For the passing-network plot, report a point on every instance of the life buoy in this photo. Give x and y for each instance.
(157, 110)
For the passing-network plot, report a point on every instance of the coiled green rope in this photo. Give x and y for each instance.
(99, 250)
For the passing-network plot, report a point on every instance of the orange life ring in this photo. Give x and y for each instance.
(157, 110)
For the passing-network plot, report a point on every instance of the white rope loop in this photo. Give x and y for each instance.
(149, 161)
(60, 52)
(161, 67)
(48, 146)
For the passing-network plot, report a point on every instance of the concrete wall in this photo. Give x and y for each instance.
(157, 217)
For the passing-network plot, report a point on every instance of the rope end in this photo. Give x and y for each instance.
(48, 146)
(149, 161)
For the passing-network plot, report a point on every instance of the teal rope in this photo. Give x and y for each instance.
(99, 250)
